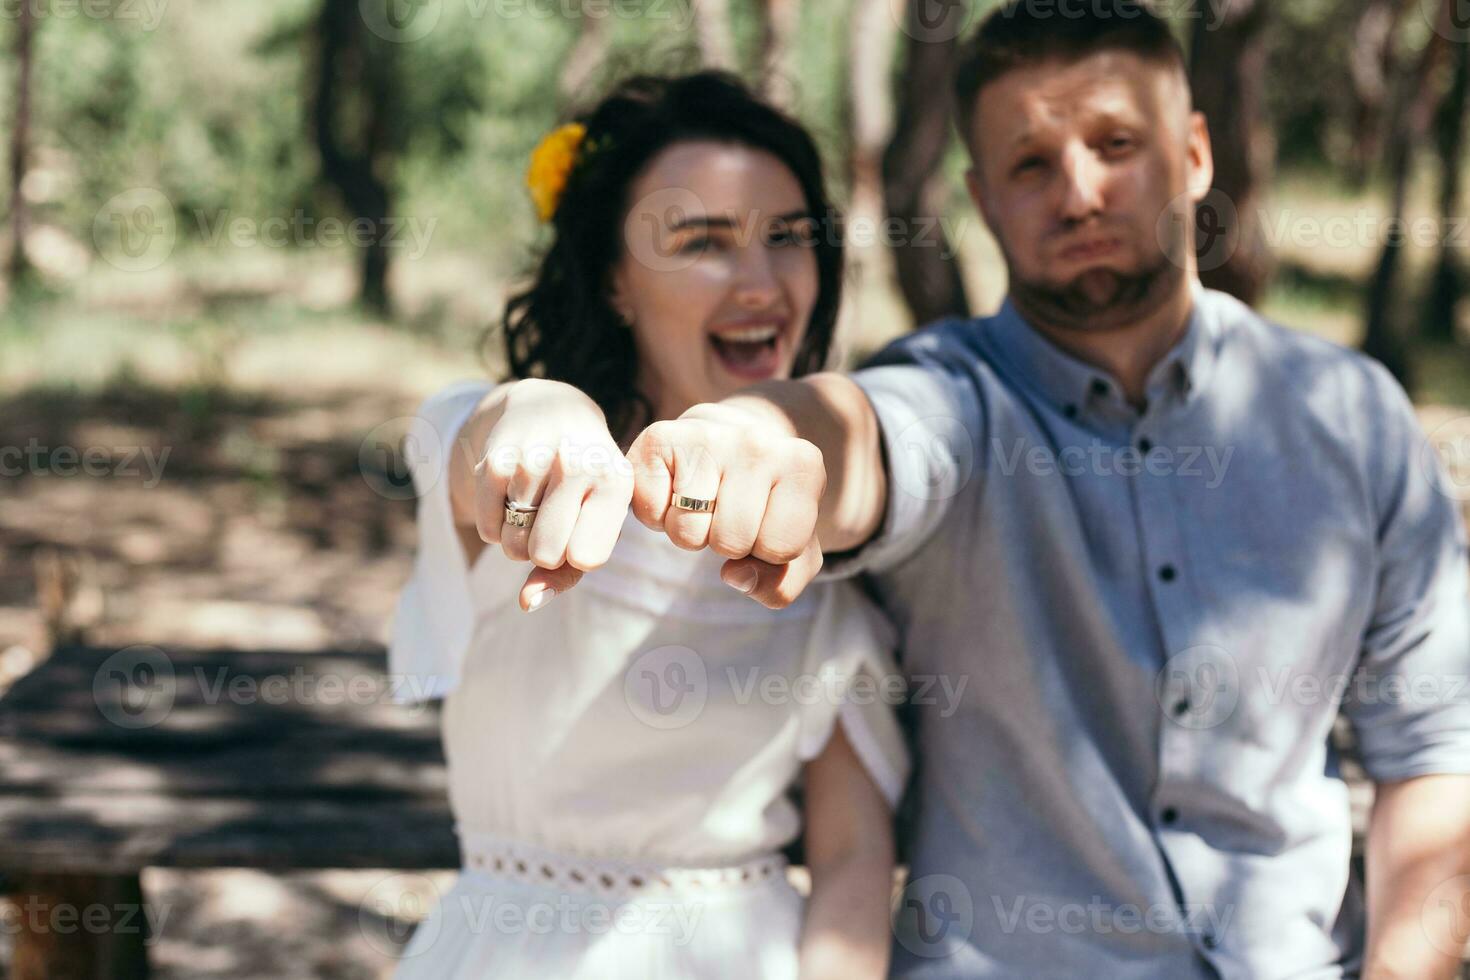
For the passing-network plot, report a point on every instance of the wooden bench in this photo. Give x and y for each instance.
(113, 761)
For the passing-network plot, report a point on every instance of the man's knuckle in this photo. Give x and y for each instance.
(781, 548)
(729, 542)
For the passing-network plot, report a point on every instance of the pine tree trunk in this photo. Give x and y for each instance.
(1370, 65)
(779, 22)
(1418, 99)
(913, 191)
(349, 65)
(1227, 73)
(17, 269)
(712, 30)
(1448, 281)
(586, 56)
(868, 122)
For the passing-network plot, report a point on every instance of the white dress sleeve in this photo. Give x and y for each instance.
(435, 617)
(858, 683)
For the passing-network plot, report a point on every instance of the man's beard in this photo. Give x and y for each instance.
(1099, 299)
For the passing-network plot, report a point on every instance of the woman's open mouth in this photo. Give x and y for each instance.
(752, 352)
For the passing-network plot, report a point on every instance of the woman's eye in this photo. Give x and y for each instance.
(693, 246)
(799, 233)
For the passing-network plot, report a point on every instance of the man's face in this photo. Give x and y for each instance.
(1076, 165)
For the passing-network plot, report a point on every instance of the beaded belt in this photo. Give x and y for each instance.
(534, 865)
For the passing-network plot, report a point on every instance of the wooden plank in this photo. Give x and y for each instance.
(118, 833)
(220, 772)
(384, 765)
(93, 697)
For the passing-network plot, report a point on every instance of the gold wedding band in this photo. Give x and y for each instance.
(693, 503)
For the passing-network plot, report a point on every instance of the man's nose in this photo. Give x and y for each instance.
(1083, 175)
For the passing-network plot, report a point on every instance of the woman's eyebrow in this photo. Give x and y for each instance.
(701, 221)
(705, 221)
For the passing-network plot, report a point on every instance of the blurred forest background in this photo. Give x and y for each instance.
(178, 279)
(171, 163)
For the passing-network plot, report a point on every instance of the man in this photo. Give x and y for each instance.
(1165, 541)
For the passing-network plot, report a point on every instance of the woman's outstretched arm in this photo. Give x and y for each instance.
(850, 853)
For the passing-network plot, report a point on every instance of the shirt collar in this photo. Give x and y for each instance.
(1073, 385)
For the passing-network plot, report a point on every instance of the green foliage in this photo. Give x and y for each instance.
(210, 105)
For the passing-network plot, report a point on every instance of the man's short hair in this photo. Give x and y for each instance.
(1021, 33)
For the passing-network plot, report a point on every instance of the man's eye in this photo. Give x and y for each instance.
(1121, 144)
(1029, 164)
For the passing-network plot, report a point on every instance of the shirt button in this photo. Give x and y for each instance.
(1167, 573)
(1181, 707)
(1209, 940)
(1099, 387)
(1169, 815)
(1070, 411)
(1144, 446)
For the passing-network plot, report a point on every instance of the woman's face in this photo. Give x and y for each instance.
(718, 274)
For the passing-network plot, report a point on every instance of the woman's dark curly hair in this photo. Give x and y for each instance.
(563, 326)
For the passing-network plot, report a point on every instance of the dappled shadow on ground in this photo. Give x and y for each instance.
(202, 515)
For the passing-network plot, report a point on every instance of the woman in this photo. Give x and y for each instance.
(620, 762)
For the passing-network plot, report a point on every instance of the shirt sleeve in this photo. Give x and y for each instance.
(435, 616)
(858, 685)
(1410, 700)
(930, 421)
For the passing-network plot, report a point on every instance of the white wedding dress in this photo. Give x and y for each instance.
(620, 761)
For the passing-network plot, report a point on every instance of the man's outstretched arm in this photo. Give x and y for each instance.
(796, 467)
(830, 411)
(1418, 877)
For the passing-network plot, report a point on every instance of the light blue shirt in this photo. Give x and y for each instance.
(1129, 633)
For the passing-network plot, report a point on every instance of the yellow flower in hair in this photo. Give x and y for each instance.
(551, 163)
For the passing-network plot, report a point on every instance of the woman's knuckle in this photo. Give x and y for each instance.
(585, 558)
